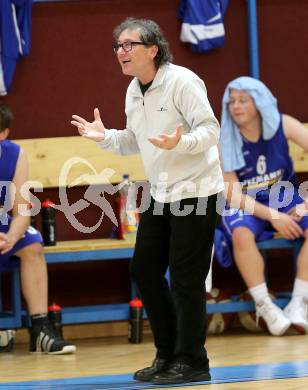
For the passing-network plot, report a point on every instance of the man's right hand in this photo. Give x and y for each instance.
(6, 244)
(287, 226)
(93, 130)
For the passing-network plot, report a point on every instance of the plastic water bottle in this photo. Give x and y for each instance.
(32, 221)
(32, 217)
(135, 324)
(55, 317)
(128, 213)
(48, 223)
(7, 340)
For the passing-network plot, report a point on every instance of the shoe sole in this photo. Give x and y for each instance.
(144, 379)
(195, 378)
(282, 331)
(69, 349)
(300, 328)
(148, 378)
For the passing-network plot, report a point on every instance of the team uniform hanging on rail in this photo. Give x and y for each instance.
(203, 23)
(15, 36)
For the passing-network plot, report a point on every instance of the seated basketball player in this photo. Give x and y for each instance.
(263, 193)
(17, 238)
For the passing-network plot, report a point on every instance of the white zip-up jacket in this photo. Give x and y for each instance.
(192, 169)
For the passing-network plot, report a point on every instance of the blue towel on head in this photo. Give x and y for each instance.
(231, 141)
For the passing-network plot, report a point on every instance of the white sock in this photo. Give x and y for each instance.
(259, 293)
(300, 289)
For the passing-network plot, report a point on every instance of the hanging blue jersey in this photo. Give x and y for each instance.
(203, 23)
(9, 153)
(15, 33)
(24, 22)
(267, 162)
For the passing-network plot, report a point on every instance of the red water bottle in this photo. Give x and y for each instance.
(135, 324)
(48, 223)
(55, 317)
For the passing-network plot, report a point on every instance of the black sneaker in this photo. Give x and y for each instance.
(180, 372)
(44, 339)
(7, 340)
(146, 374)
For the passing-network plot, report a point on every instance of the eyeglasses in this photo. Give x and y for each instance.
(126, 46)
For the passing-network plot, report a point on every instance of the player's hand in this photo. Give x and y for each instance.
(6, 243)
(168, 142)
(299, 211)
(287, 226)
(93, 130)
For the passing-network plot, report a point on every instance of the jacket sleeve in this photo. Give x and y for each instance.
(120, 142)
(203, 127)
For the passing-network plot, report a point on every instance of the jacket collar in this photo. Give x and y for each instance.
(158, 80)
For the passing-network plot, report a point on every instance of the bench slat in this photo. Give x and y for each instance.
(88, 245)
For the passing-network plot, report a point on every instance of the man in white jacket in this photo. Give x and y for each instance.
(171, 123)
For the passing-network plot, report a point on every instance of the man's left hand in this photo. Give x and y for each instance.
(168, 142)
(6, 243)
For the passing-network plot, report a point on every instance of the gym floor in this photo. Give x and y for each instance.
(238, 359)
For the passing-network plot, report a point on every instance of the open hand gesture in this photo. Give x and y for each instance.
(165, 141)
(93, 130)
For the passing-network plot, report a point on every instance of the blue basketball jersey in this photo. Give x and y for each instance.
(267, 162)
(9, 153)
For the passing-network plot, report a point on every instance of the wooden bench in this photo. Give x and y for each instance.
(47, 157)
(72, 252)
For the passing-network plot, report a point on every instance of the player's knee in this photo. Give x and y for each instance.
(33, 251)
(242, 238)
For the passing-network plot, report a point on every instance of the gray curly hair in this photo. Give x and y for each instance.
(150, 34)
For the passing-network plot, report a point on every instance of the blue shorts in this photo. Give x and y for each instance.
(7, 261)
(256, 225)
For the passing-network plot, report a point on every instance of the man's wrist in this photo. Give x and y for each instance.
(102, 137)
(273, 214)
(13, 237)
